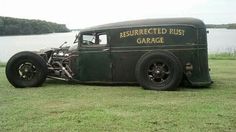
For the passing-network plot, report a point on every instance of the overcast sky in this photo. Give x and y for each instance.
(86, 13)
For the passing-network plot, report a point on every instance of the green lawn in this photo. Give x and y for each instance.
(66, 107)
(2, 64)
(223, 56)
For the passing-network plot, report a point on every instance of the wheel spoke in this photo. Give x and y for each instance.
(162, 80)
(167, 72)
(158, 72)
(155, 65)
(163, 65)
(27, 71)
(150, 70)
(151, 77)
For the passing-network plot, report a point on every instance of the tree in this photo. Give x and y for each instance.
(1, 26)
(14, 26)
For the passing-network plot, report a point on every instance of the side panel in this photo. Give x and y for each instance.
(124, 62)
(129, 44)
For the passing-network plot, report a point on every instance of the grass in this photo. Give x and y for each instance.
(2, 64)
(223, 56)
(58, 106)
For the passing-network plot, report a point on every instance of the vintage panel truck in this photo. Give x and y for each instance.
(158, 54)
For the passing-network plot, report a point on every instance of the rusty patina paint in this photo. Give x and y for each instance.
(115, 62)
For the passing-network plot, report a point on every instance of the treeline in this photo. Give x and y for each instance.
(232, 26)
(227, 26)
(15, 26)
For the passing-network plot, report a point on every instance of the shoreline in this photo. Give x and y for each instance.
(32, 34)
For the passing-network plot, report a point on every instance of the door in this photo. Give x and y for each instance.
(94, 62)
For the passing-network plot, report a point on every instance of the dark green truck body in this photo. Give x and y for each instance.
(127, 41)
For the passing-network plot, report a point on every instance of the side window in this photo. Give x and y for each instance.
(102, 39)
(94, 39)
(88, 39)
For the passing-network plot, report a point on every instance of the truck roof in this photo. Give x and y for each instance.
(149, 22)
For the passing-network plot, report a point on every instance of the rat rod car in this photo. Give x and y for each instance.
(158, 54)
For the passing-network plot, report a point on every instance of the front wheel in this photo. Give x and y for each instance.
(159, 71)
(26, 69)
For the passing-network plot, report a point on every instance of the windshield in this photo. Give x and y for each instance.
(76, 38)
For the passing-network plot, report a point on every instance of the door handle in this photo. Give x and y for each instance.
(105, 49)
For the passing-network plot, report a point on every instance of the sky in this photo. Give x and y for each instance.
(77, 14)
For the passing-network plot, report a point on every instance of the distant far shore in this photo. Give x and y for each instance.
(15, 26)
(224, 26)
(33, 34)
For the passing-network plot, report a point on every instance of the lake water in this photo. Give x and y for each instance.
(9, 45)
(219, 40)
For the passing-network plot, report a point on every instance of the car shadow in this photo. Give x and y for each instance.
(182, 88)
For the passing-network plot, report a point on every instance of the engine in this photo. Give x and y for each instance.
(58, 62)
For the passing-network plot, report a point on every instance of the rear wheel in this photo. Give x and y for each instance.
(159, 71)
(26, 69)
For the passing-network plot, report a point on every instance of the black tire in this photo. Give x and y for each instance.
(26, 69)
(159, 70)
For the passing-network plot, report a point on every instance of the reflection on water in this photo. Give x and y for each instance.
(219, 40)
